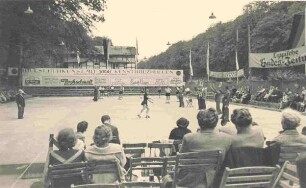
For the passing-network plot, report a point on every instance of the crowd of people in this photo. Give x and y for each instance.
(7, 95)
(287, 98)
(243, 133)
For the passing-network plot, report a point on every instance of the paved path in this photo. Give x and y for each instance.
(23, 140)
(26, 141)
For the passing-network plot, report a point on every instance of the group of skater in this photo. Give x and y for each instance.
(101, 92)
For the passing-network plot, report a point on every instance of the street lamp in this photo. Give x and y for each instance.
(212, 16)
(168, 43)
(29, 10)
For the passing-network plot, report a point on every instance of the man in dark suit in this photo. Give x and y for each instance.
(106, 120)
(20, 103)
(218, 97)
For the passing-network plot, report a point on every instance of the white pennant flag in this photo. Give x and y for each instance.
(190, 65)
(237, 64)
(207, 61)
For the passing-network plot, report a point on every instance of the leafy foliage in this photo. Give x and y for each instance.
(40, 33)
(270, 24)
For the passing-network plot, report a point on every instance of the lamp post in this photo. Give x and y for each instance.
(29, 11)
(212, 16)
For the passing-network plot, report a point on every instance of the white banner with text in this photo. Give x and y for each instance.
(287, 58)
(61, 77)
(230, 74)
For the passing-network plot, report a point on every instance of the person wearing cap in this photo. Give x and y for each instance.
(180, 131)
(207, 139)
(20, 103)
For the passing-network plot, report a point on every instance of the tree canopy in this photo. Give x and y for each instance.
(51, 23)
(270, 24)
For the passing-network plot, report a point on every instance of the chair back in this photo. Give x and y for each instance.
(288, 176)
(141, 184)
(103, 168)
(290, 153)
(165, 149)
(96, 186)
(66, 174)
(194, 165)
(170, 162)
(147, 164)
(245, 156)
(259, 176)
(134, 145)
(134, 152)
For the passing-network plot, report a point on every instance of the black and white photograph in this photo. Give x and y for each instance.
(152, 93)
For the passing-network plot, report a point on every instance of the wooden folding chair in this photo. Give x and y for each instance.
(290, 153)
(96, 170)
(141, 184)
(165, 149)
(170, 162)
(66, 174)
(287, 177)
(259, 176)
(96, 186)
(196, 163)
(147, 164)
(134, 145)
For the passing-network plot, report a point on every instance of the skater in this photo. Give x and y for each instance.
(225, 105)
(159, 91)
(168, 94)
(144, 104)
(121, 93)
(201, 98)
(181, 97)
(20, 103)
(96, 94)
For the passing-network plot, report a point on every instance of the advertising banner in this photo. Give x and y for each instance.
(287, 58)
(61, 77)
(230, 74)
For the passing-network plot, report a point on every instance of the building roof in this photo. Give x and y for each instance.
(122, 50)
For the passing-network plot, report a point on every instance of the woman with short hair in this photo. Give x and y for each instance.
(104, 150)
(66, 154)
(247, 134)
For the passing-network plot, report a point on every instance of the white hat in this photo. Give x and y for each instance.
(21, 91)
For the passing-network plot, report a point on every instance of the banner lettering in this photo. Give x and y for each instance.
(287, 58)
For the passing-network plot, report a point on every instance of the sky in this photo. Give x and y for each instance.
(154, 23)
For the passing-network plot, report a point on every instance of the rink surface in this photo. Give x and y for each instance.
(26, 140)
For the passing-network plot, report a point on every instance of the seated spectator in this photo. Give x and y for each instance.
(301, 169)
(179, 132)
(247, 134)
(291, 119)
(260, 94)
(81, 128)
(304, 131)
(276, 95)
(66, 154)
(2, 98)
(285, 101)
(268, 94)
(208, 139)
(246, 97)
(106, 120)
(104, 150)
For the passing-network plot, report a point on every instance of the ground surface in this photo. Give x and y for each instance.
(26, 140)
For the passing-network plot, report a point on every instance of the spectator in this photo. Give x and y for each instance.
(291, 119)
(81, 128)
(206, 140)
(179, 132)
(304, 131)
(66, 154)
(104, 150)
(247, 134)
(246, 97)
(285, 101)
(106, 121)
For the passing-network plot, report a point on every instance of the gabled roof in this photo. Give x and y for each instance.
(122, 50)
(297, 34)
